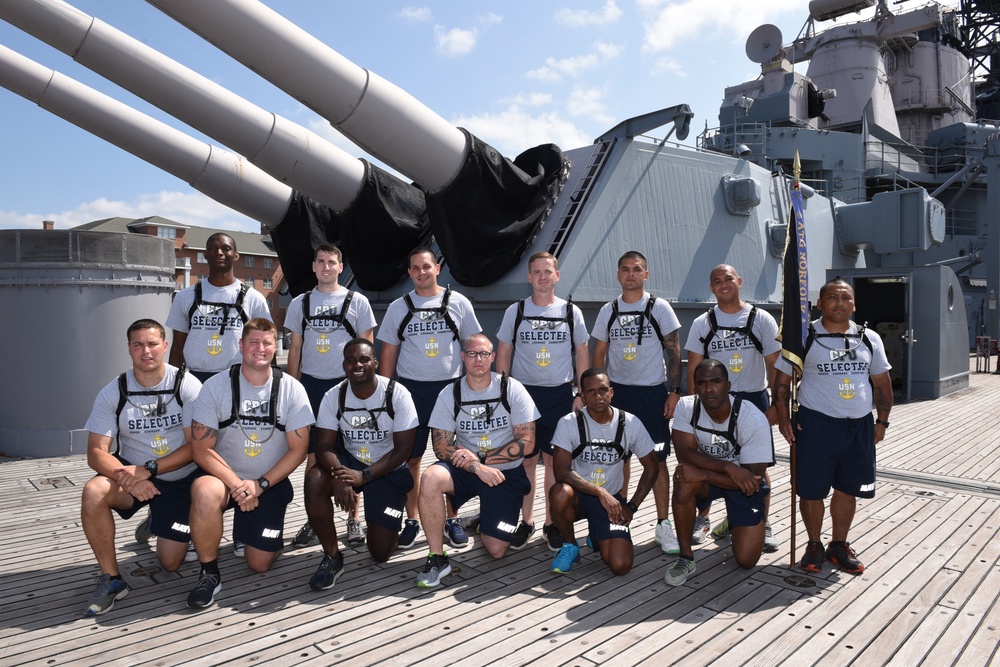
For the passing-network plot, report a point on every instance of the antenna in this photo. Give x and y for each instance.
(764, 43)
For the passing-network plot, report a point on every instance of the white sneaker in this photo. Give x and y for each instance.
(190, 555)
(666, 538)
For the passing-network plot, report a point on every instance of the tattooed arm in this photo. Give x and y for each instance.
(521, 446)
(882, 390)
(781, 398)
(672, 343)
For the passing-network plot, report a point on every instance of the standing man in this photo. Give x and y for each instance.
(146, 414)
(845, 372)
(377, 419)
(723, 447)
(483, 426)
(422, 337)
(250, 432)
(591, 450)
(744, 338)
(631, 334)
(322, 321)
(543, 342)
(208, 317)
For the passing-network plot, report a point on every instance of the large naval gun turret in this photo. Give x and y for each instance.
(881, 209)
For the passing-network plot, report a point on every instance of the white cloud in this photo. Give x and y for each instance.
(667, 23)
(588, 102)
(575, 66)
(578, 18)
(456, 41)
(530, 100)
(513, 131)
(415, 14)
(667, 65)
(188, 208)
(609, 51)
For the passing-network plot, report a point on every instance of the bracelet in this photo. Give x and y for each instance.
(882, 422)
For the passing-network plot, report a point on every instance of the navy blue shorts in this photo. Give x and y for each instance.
(742, 510)
(202, 376)
(263, 528)
(837, 453)
(169, 511)
(385, 497)
(316, 389)
(646, 403)
(499, 506)
(424, 397)
(553, 404)
(598, 523)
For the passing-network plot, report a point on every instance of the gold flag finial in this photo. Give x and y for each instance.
(797, 168)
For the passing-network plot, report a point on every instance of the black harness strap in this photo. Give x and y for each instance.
(646, 314)
(271, 419)
(225, 306)
(730, 432)
(124, 393)
(387, 407)
(860, 335)
(585, 441)
(490, 403)
(441, 311)
(340, 318)
(568, 318)
(746, 329)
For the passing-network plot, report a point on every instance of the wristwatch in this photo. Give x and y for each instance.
(152, 467)
(632, 506)
(677, 390)
(482, 457)
(882, 422)
(264, 484)
(366, 475)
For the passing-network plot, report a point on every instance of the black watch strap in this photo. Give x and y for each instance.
(632, 506)
(882, 422)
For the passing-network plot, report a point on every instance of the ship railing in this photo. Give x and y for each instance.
(882, 157)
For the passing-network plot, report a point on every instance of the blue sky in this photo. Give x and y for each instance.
(516, 74)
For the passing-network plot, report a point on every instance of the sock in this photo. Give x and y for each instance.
(212, 567)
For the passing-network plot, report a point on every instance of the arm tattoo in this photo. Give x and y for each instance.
(443, 443)
(672, 342)
(201, 432)
(524, 439)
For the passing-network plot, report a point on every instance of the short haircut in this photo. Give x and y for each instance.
(354, 342)
(543, 255)
(224, 235)
(143, 324)
(259, 324)
(706, 365)
(592, 372)
(419, 250)
(836, 280)
(330, 248)
(476, 336)
(633, 254)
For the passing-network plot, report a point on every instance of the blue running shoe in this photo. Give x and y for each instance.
(456, 534)
(568, 554)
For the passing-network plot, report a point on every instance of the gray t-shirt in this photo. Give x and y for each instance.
(487, 426)
(543, 355)
(323, 340)
(747, 370)
(428, 350)
(836, 373)
(753, 433)
(630, 362)
(149, 427)
(206, 350)
(251, 448)
(601, 465)
(365, 425)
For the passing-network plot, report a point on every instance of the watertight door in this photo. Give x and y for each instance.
(885, 303)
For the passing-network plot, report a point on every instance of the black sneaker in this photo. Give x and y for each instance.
(522, 535)
(204, 593)
(436, 568)
(812, 559)
(842, 555)
(143, 531)
(329, 570)
(407, 536)
(553, 538)
(305, 536)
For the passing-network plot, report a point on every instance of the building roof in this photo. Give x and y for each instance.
(195, 238)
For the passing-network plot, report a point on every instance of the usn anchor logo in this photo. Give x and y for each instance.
(630, 352)
(214, 345)
(251, 446)
(485, 446)
(847, 389)
(160, 445)
(735, 363)
(323, 343)
(431, 347)
(543, 357)
(598, 477)
(364, 455)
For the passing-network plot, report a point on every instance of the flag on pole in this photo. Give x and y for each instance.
(795, 280)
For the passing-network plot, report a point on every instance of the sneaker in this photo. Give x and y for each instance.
(305, 536)
(204, 593)
(770, 544)
(435, 569)
(842, 555)
(701, 528)
(563, 562)
(812, 559)
(355, 532)
(553, 538)
(522, 535)
(721, 530)
(407, 536)
(103, 600)
(665, 537)
(190, 555)
(455, 534)
(238, 548)
(590, 543)
(143, 531)
(679, 571)
(329, 570)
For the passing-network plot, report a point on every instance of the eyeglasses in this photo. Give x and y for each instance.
(482, 354)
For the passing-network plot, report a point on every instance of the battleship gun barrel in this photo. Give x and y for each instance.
(223, 176)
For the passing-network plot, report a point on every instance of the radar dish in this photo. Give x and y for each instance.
(764, 43)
